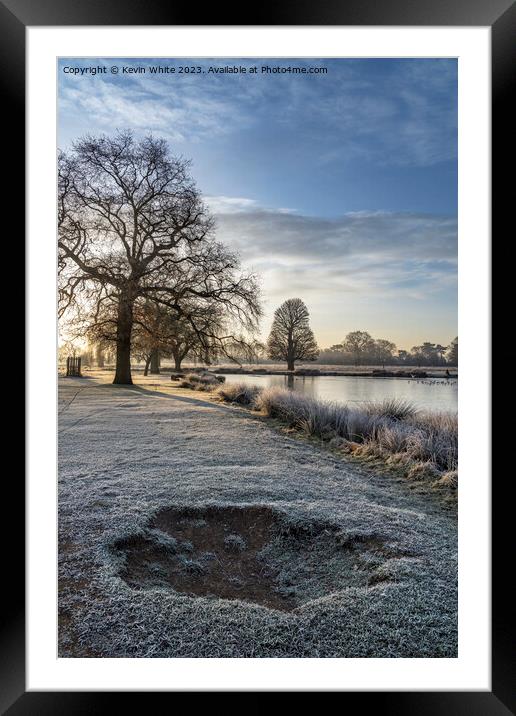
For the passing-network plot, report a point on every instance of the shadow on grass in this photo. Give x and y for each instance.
(149, 392)
(79, 378)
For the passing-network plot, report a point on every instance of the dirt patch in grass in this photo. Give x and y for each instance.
(206, 552)
(252, 554)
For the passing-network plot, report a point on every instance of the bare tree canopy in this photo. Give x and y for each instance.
(383, 351)
(133, 228)
(358, 344)
(161, 330)
(291, 337)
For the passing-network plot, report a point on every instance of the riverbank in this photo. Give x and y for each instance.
(414, 373)
(420, 446)
(354, 564)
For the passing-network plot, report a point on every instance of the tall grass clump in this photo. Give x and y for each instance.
(240, 393)
(319, 418)
(201, 381)
(426, 437)
(423, 444)
(393, 408)
(436, 438)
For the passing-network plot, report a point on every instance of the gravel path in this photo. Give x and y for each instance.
(127, 452)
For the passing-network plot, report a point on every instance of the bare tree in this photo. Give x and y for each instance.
(132, 227)
(184, 341)
(148, 337)
(359, 344)
(159, 330)
(200, 330)
(383, 351)
(291, 337)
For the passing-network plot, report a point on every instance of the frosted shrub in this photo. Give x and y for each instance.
(201, 381)
(393, 408)
(427, 437)
(393, 438)
(319, 418)
(436, 438)
(293, 408)
(239, 393)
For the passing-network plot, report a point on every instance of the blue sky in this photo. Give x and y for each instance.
(339, 188)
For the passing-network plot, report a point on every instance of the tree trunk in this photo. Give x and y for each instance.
(290, 351)
(177, 362)
(123, 340)
(147, 364)
(155, 361)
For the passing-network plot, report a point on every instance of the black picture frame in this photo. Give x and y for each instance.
(500, 15)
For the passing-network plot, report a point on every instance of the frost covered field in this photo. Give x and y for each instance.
(189, 528)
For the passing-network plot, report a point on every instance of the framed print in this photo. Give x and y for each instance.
(252, 244)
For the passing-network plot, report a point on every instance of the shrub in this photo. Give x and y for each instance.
(239, 393)
(201, 381)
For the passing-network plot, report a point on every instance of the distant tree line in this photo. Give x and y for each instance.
(360, 348)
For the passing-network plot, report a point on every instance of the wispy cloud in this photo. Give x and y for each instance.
(365, 236)
(224, 205)
(373, 258)
(227, 205)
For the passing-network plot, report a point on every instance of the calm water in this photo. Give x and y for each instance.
(429, 394)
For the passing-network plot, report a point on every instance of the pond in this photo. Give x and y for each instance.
(435, 394)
